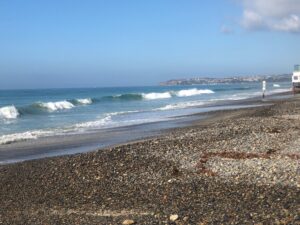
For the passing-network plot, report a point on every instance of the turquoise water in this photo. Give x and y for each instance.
(30, 114)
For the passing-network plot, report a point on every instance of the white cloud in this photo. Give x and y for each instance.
(252, 20)
(291, 24)
(278, 15)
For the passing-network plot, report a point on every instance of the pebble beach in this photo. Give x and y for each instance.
(238, 166)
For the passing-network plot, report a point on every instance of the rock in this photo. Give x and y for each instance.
(186, 218)
(128, 222)
(174, 217)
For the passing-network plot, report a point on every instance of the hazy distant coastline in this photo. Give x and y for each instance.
(228, 80)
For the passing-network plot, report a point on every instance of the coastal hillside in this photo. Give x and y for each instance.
(228, 80)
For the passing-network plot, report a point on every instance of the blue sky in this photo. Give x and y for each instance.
(74, 43)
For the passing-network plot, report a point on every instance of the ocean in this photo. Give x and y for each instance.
(32, 114)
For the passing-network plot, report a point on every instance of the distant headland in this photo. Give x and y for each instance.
(228, 80)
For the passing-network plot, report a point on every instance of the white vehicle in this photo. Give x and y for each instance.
(296, 78)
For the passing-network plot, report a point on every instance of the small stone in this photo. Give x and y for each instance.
(128, 222)
(174, 217)
(185, 218)
(171, 180)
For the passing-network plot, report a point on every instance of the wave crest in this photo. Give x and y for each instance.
(84, 101)
(154, 95)
(192, 92)
(54, 106)
(124, 97)
(9, 112)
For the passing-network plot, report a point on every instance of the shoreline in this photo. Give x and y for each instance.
(236, 167)
(91, 141)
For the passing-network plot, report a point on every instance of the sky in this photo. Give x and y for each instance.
(96, 43)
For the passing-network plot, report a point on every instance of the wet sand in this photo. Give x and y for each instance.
(236, 167)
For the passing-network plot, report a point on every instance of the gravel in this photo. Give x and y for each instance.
(237, 167)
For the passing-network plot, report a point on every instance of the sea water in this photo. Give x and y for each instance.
(31, 114)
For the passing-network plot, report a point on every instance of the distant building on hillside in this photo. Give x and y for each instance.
(296, 78)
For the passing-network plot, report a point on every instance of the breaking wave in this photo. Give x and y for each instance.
(9, 112)
(54, 106)
(12, 112)
(153, 96)
(138, 96)
(157, 95)
(128, 97)
(83, 101)
(160, 95)
(42, 107)
(192, 92)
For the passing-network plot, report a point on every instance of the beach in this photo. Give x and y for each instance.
(238, 166)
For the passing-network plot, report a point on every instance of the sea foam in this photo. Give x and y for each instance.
(11, 138)
(192, 92)
(154, 95)
(101, 123)
(181, 105)
(23, 136)
(54, 106)
(84, 101)
(122, 112)
(9, 112)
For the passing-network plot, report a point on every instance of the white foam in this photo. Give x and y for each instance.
(35, 134)
(121, 113)
(9, 112)
(28, 135)
(192, 92)
(84, 101)
(10, 138)
(153, 96)
(181, 105)
(101, 123)
(54, 106)
(276, 85)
